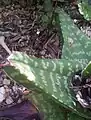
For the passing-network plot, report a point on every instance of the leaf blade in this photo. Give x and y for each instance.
(76, 43)
(53, 83)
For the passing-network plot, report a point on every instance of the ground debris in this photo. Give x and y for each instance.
(24, 32)
(11, 93)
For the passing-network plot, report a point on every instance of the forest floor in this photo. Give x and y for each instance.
(23, 31)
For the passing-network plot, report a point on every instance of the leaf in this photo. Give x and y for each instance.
(50, 109)
(52, 77)
(72, 116)
(85, 8)
(87, 70)
(77, 46)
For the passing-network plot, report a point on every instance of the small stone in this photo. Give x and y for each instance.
(43, 52)
(19, 101)
(2, 94)
(75, 20)
(89, 33)
(15, 88)
(9, 100)
(6, 82)
(6, 89)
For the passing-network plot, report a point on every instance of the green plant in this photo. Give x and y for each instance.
(85, 8)
(50, 79)
(87, 70)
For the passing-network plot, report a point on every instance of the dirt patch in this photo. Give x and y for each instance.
(24, 32)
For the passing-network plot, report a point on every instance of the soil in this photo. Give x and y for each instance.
(23, 32)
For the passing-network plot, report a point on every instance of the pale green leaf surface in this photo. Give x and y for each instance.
(53, 111)
(50, 109)
(77, 46)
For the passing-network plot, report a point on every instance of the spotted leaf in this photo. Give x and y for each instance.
(77, 46)
(52, 77)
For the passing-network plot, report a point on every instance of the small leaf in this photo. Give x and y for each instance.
(77, 46)
(50, 109)
(87, 70)
(85, 8)
(51, 77)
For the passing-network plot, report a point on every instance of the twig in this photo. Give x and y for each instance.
(3, 44)
(49, 40)
(33, 23)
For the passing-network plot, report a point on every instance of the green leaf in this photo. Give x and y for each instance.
(51, 110)
(77, 46)
(87, 70)
(85, 8)
(52, 77)
(72, 116)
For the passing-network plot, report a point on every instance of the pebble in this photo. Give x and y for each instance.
(10, 92)
(6, 82)
(9, 100)
(2, 94)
